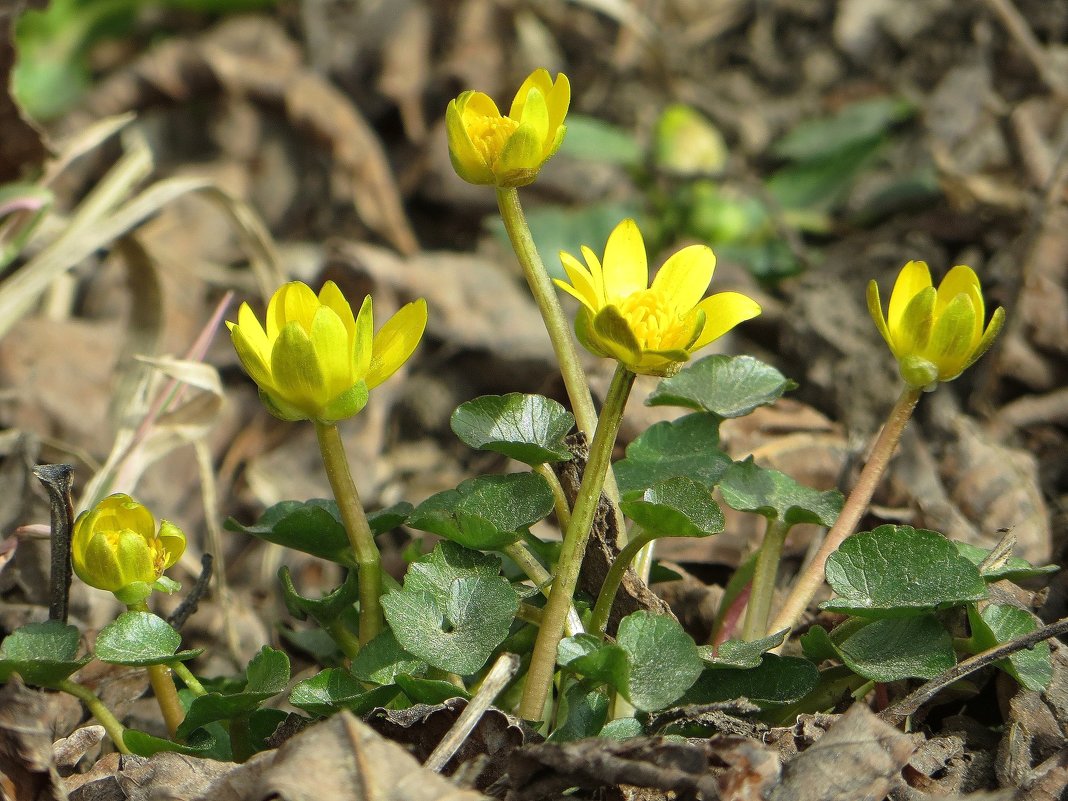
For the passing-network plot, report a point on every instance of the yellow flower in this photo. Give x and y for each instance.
(649, 329)
(488, 148)
(116, 547)
(934, 334)
(315, 360)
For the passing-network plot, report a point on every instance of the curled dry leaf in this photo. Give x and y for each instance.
(27, 765)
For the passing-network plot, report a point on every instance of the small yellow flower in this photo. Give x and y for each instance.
(935, 335)
(489, 148)
(116, 547)
(649, 329)
(315, 360)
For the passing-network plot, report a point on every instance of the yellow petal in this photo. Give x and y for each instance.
(275, 319)
(250, 355)
(682, 280)
(333, 352)
(467, 160)
(913, 330)
(558, 99)
(582, 286)
(539, 81)
(723, 311)
(875, 309)
(120, 511)
(951, 340)
(396, 342)
(300, 304)
(997, 320)
(521, 157)
(331, 297)
(362, 340)
(597, 273)
(913, 278)
(172, 541)
(477, 104)
(535, 113)
(295, 368)
(626, 266)
(963, 280)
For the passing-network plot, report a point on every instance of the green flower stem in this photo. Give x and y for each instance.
(558, 328)
(346, 641)
(99, 711)
(603, 608)
(764, 575)
(543, 662)
(187, 677)
(560, 505)
(810, 579)
(368, 560)
(163, 687)
(519, 552)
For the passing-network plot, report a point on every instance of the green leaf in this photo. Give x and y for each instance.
(334, 689)
(324, 610)
(315, 527)
(677, 507)
(622, 729)
(652, 663)
(687, 447)
(779, 680)
(741, 654)
(748, 487)
(592, 139)
(487, 512)
(267, 675)
(429, 691)
(41, 653)
(382, 659)
(857, 122)
(139, 639)
(527, 428)
(999, 623)
(454, 608)
(899, 571)
(198, 744)
(1013, 569)
(727, 386)
(898, 648)
(821, 184)
(816, 644)
(584, 710)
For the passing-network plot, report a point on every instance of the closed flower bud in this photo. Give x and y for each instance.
(315, 360)
(489, 148)
(116, 547)
(935, 334)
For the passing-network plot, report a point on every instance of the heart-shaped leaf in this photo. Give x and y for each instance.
(999, 623)
(748, 487)
(139, 639)
(687, 447)
(454, 608)
(778, 680)
(727, 386)
(429, 691)
(382, 659)
(1012, 569)
(198, 744)
(741, 654)
(41, 653)
(527, 428)
(315, 527)
(584, 711)
(899, 571)
(334, 689)
(267, 675)
(487, 512)
(676, 507)
(890, 649)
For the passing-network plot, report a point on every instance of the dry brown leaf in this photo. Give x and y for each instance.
(406, 68)
(27, 767)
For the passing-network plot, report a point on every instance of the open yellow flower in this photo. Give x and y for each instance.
(935, 335)
(489, 148)
(315, 360)
(649, 329)
(116, 547)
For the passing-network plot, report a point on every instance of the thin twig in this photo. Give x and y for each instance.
(192, 600)
(496, 680)
(58, 480)
(1021, 32)
(913, 701)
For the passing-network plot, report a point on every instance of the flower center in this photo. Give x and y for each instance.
(655, 324)
(489, 135)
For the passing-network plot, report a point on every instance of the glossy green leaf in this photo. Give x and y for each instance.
(748, 487)
(741, 654)
(382, 659)
(778, 680)
(687, 447)
(267, 675)
(999, 623)
(41, 653)
(899, 571)
(334, 689)
(323, 610)
(727, 386)
(527, 428)
(454, 608)
(315, 527)
(199, 744)
(622, 729)
(892, 649)
(487, 512)
(139, 639)
(1012, 569)
(676, 507)
(429, 691)
(584, 711)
